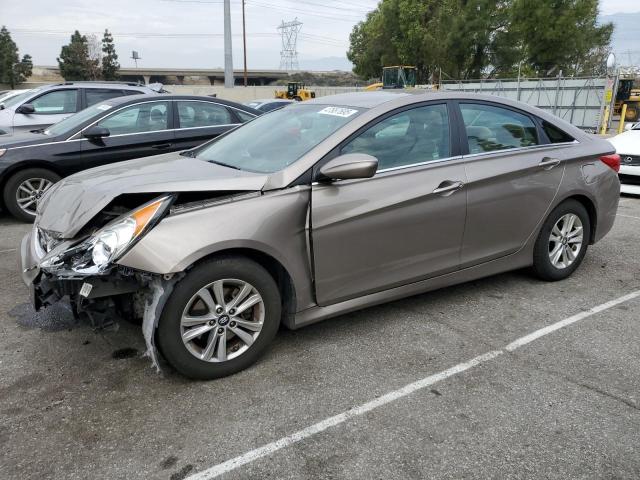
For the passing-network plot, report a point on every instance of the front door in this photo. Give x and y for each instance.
(50, 107)
(512, 180)
(404, 224)
(139, 130)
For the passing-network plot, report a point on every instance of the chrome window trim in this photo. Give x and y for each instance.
(208, 126)
(155, 100)
(217, 103)
(419, 164)
(520, 149)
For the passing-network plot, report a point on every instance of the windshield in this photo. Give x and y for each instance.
(272, 142)
(70, 123)
(17, 99)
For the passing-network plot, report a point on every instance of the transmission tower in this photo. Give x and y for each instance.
(289, 54)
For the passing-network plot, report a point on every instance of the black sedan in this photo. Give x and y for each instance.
(111, 131)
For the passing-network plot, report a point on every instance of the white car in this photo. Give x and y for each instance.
(627, 145)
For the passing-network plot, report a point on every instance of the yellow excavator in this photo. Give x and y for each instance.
(397, 76)
(630, 96)
(296, 91)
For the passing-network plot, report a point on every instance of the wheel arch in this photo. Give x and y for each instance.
(273, 266)
(23, 165)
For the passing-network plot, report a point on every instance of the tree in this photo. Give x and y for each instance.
(74, 60)
(110, 65)
(94, 49)
(12, 70)
(560, 34)
(478, 38)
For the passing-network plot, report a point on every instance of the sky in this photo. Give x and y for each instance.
(188, 33)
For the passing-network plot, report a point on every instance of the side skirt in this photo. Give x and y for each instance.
(514, 261)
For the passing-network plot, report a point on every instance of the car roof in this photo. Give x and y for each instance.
(359, 99)
(165, 96)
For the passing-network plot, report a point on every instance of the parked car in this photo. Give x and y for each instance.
(40, 107)
(7, 94)
(269, 104)
(111, 131)
(627, 145)
(319, 209)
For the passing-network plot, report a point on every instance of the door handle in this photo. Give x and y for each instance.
(161, 146)
(448, 187)
(548, 163)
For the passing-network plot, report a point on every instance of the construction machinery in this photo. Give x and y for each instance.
(397, 76)
(296, 91)
(627, 95)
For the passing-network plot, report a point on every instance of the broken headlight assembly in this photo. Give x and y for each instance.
(98, 251)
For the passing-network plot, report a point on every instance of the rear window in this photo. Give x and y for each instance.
(555, 134)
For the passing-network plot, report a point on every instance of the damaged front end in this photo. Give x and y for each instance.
(85, 269)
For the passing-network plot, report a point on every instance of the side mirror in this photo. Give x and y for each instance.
(350, 166)
(26, 108)
(95, 131)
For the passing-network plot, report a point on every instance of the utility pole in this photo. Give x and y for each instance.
(228, 57)
(244, 45)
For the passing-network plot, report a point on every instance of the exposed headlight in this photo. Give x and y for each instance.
(97, 252)
(109, 243)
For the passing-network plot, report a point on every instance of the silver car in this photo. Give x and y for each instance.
(317, 209)
(40, 107)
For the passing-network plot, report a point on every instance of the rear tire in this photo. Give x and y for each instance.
(23, 190)
(204, 300)
(562, 242)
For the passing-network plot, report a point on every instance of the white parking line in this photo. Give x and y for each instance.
(9, 250)
(627, 216)
(307, 432)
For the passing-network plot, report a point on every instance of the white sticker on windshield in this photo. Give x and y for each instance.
(338, 111)
(103, 107)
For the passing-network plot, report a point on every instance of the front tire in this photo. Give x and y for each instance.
(24, 189)
(220, 318)
(562, 241)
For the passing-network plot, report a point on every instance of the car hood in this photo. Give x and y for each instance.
(627, 143)
(21, 138)
(75, 200)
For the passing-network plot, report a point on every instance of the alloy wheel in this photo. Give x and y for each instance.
(565, 241)
(29, 193)
(222, 320)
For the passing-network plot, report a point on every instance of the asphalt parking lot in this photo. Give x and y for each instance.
(77, 404)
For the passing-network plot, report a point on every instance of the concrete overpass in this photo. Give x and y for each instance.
(173, 76)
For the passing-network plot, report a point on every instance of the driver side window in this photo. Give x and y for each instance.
(144, 117)
(410, 137)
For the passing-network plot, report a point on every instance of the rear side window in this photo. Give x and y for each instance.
(56, 102)
(97, 95)
(410, 137)
(555, 134)
(491, 128)
(202, 114)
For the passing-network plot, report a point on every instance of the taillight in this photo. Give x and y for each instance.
(612, 160)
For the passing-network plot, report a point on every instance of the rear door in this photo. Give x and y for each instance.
(404, 224)
(513, 175)
(137, 130)
(198, 121)
(93, 96)
(50, 107)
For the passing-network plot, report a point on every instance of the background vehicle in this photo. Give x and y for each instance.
(319, 209)
(7, 94)
(43, 106)
(627, 145)
(268, 104)
(399, 76)
(296, 91)
(628, 95)
(110, 131)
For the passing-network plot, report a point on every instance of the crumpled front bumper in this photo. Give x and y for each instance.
(28, 260)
